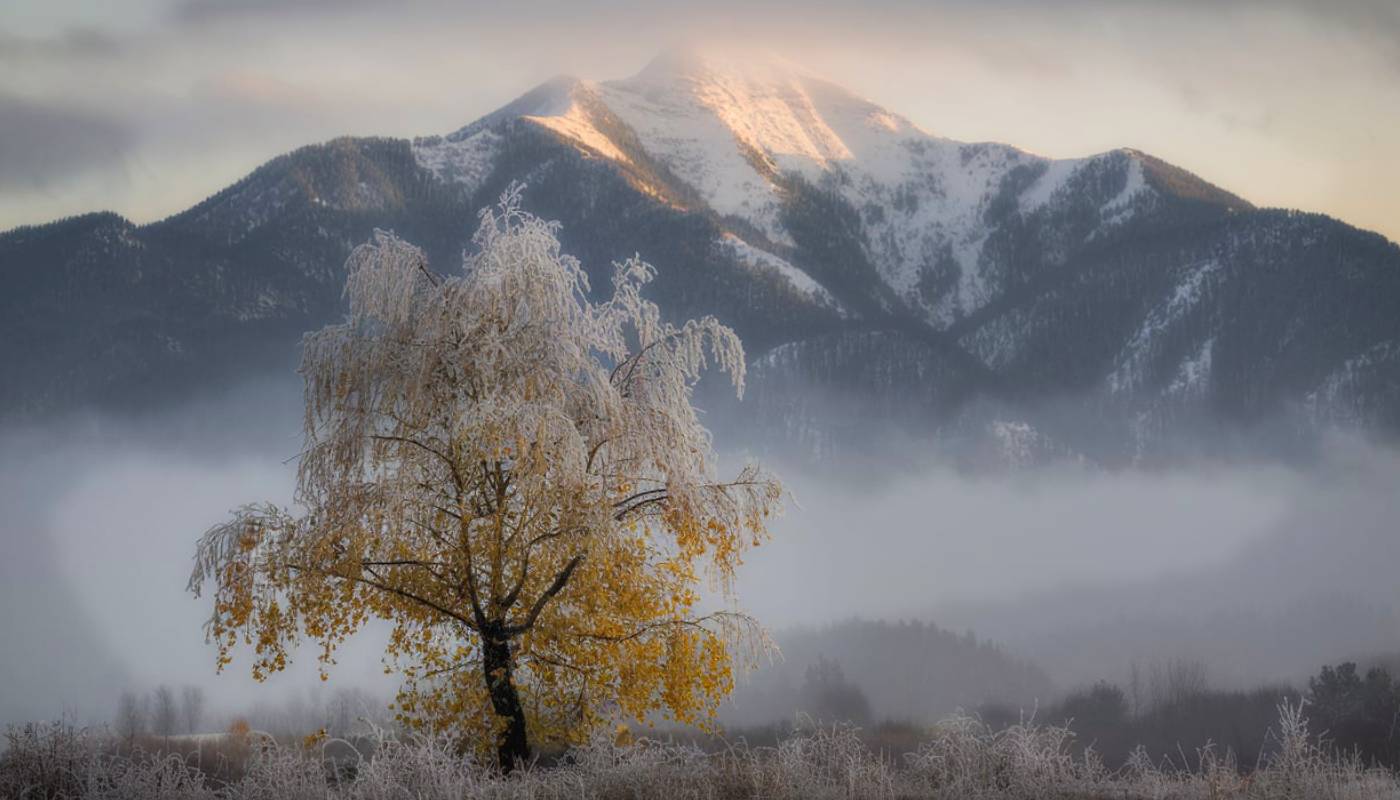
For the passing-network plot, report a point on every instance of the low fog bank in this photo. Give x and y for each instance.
(904, 545)
(98, 521)
(1258, 572)
(1066, 574)
(1315, 585)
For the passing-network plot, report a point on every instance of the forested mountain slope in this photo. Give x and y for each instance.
(973, 298)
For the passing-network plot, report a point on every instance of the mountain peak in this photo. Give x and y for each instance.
(769, 106)
(679, 61)
(695, 64)
(737, 130)
(554, 96)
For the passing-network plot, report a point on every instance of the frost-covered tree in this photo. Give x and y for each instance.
(516, 479)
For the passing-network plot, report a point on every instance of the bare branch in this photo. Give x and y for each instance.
(555, 588)
(375, 584)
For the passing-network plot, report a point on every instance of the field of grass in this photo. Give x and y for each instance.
(960, 758)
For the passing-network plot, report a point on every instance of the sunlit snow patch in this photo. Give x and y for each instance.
(466, 162)
(753, 257)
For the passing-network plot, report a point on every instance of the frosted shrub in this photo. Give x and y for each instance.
(826, 761)
(422, 766)
(45, 759)
(1304, 768)
(963, 759)
(159, 778)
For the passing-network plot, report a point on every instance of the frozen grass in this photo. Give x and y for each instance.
(961, 758)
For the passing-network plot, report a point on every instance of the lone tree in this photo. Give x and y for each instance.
(516, 480)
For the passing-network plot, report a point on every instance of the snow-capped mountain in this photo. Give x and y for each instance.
(738, 135)
(1093, 307)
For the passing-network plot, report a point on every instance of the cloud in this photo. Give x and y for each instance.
(81, 42)
(1378, 17)
(199, 12)
(43, 145)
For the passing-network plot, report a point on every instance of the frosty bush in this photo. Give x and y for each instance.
(963, 759)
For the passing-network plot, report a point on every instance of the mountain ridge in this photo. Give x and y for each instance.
(963, 290)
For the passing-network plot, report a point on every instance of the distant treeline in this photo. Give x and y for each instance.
(1174, 714)
(895, 678)
(164, 712)
(861, 670)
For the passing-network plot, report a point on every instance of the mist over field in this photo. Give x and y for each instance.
(1262, 572)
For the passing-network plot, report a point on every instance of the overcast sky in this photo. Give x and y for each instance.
(147, 106)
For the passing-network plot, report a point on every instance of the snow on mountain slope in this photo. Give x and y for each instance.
(755, 258)
(732, 130)
(685, 118)
(737, 132)
(1334, 398)
(467, 156)
(1051, 182)
(576, 124)
(466, 161)
(1120, 208)
(1132, 367)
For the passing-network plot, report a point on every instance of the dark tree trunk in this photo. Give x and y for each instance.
(513, 748)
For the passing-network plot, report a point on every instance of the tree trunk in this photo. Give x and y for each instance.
(512, 748)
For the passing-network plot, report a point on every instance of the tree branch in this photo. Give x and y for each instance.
(555, 588)
(645, 629)
(633, 360)
(383, 587)
(433, 278)
(514, 594)
(451, 466)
